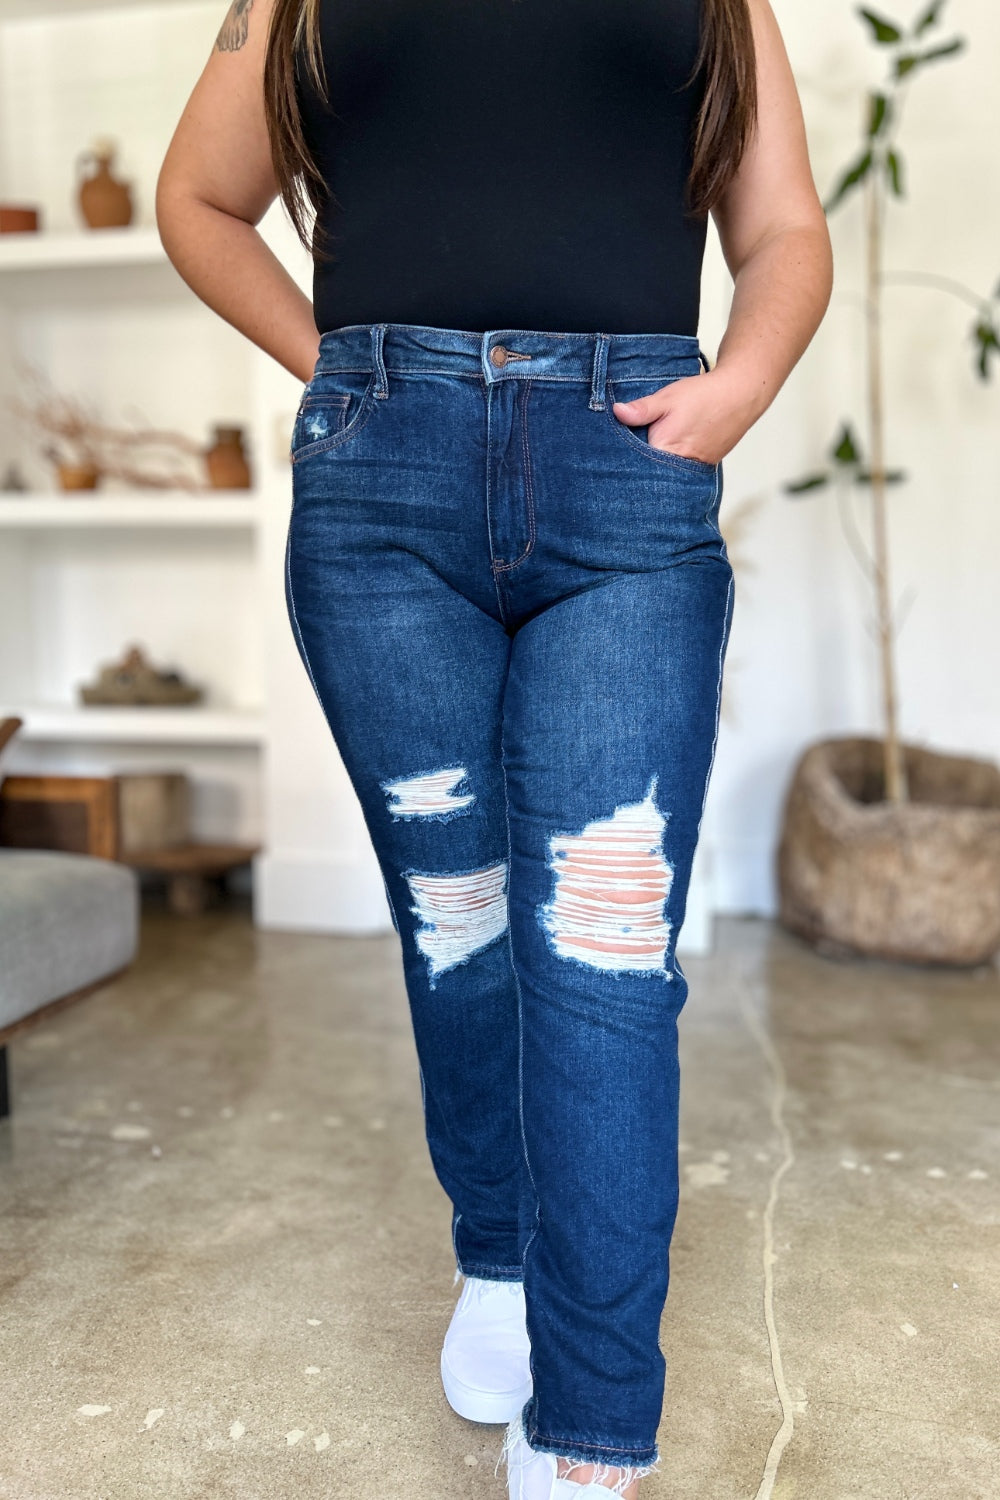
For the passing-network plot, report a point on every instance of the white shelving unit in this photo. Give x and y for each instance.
(158, 508)
(62, 251)
(195, 578)
(134, 725)
(23, 10)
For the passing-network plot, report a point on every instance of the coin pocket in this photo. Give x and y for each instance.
(334, 406)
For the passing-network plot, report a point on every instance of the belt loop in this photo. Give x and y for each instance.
(378, 364)
(599, 372)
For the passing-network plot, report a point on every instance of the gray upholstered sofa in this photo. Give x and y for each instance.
(68, 923)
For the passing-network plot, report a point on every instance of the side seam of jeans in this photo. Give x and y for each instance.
(298, 628)
(726, 623)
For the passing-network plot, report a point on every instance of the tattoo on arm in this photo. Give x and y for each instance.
(233, 33)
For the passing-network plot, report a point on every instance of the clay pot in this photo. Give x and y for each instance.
(78, 476)
(917, 881)
(15, 219)
(104, 202)
(226, 460)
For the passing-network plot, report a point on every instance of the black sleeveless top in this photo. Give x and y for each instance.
(508, 164)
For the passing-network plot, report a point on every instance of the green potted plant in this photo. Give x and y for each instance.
(889, 849)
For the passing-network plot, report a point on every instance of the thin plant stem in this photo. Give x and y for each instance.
(895, 772)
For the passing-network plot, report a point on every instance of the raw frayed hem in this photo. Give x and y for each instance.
(515, 1440)
(490, 1273)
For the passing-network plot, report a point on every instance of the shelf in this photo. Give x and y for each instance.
(38, 10)
(236, 509)
(140, 725)
(74, 248)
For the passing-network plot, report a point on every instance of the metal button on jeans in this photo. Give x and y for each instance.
(498, 355)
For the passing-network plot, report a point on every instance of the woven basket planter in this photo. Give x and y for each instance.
(918, 881)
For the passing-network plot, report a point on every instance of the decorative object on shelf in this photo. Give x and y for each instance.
(105, 202)
(86, 450)
(134, 680)
(16, 218)
(195, 872)
(226, 460)
(916, 880)
(74, 476)
(13, 481)
(154, 810)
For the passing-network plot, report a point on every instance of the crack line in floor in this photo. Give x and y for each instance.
(784, 1434)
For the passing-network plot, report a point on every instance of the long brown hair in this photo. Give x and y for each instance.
(728, 116)
(723, 130)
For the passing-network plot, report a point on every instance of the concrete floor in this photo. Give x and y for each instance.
(225, 1263)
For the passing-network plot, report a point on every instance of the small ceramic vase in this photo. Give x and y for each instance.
(78, 476)
(105, 203)
(226, 460)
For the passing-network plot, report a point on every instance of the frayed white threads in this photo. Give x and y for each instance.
(517, 1453)
(612, 884)
(602, 1473)
(509, 1454)
(460, 914)
(433, 796)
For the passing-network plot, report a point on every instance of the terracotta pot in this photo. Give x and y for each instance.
(226, 460)
(918, 880)
(78, 476)
(17, 220)
(104, 202)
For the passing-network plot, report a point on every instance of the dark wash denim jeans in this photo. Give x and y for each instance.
(514, 612)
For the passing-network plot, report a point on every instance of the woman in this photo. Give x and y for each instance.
(507, 582)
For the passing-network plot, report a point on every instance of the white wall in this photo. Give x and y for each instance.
(801, 662)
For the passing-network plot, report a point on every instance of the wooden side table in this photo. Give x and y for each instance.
(191, 870)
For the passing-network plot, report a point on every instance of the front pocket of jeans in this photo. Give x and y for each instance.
(636, 438)
(335, 405)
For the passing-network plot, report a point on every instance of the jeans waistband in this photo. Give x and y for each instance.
(508, 354)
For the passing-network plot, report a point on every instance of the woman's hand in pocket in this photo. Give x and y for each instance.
(701, 417)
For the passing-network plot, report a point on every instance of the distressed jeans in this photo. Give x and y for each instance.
(514, 611)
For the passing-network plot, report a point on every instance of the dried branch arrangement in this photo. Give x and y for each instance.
(71, 434)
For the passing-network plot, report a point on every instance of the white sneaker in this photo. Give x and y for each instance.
(532, 1475)
(484, 1361)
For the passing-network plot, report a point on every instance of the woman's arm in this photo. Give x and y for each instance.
(777, 246)
(215, 185)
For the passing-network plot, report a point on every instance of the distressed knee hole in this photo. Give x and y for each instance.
(459, 914)
(441, 794)
(611, 887)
